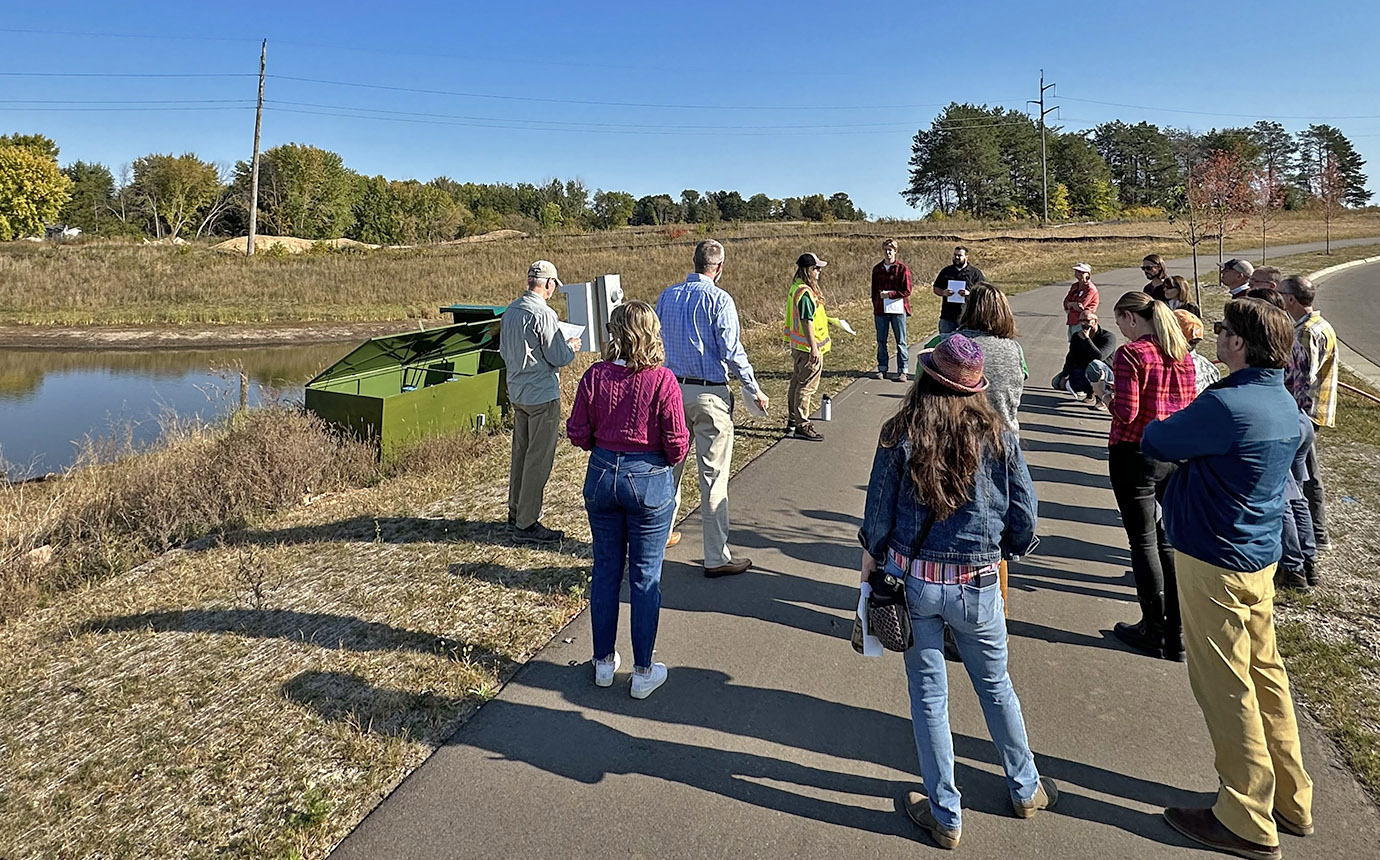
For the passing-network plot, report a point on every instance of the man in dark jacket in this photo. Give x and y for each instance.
(952, 285)
(1223, 514)
(1088, 360)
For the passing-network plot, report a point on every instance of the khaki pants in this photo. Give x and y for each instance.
(710, 419)
(804, 383)
(535, 429)
(1239, 681)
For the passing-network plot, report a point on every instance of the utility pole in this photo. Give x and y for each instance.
(254, 168)
(1044, 159)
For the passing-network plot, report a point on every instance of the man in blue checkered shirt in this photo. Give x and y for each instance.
(699, 326)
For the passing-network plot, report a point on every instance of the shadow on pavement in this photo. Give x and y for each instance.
(576, 747)
(1079, 514)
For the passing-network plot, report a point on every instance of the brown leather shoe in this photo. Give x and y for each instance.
(672, 539)
(808, 433)
(918, 810)
(1202, 826)
(1290, 827)
(733, 568)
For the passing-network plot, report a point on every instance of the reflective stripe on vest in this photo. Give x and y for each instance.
(795, 329)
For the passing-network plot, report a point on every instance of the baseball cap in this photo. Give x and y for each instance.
(1242, 266)
(543, 269)
(806, 261)
(1083, 267)
(1189, 324)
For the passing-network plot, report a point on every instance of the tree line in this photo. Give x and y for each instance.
(985, 162)
(308, 192)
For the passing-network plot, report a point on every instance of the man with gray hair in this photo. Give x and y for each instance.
(532, 348)
(1235, 275)
(1311, 377)
(1264, 276)
(699, 326)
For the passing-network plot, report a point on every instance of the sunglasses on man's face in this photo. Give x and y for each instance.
(1219, 328)
(1148, 268)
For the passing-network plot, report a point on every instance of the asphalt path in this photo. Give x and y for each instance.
(772, 739)
(1350, 300)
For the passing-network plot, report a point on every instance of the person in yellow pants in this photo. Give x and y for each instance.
(1223, 514)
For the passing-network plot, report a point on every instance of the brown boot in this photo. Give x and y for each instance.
(918, 810)
(1202, 826)
(1045, 797)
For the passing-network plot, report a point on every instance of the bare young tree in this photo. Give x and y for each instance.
(1265, 194)
(1332, 190)
(222, 203)
(1221, 182)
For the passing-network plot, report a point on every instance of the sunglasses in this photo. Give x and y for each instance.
(1220, 328)
(1148, 268)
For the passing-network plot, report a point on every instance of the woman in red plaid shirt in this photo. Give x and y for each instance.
(1154, 378)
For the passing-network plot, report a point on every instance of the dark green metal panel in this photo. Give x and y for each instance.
(473, 313)
(394, 390)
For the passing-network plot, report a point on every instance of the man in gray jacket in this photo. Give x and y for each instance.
(534, 351)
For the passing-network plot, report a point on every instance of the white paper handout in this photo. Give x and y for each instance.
(894, 306)
(570, 330)
(752, 408)
(872, 646)
(954, 294)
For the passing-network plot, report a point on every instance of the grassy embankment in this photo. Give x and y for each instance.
(176, 708)
(1331, 637)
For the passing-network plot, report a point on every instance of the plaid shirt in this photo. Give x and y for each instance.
(1148, 388)
(1312, 372)
(699, 327)
(942, 572)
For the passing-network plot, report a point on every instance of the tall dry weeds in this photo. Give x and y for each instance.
(120, 506)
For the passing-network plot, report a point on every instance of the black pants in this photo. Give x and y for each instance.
(1139, 483)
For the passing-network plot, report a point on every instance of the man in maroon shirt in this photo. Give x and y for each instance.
(891, 307)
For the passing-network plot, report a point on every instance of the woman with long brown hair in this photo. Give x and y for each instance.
(949, 497)
(630, 416)
(1153, 377)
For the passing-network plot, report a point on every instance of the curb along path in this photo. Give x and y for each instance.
(773, 739)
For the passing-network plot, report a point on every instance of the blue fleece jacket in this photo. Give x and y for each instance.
(1235, 444)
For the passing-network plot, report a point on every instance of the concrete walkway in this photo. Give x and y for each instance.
(772, 739)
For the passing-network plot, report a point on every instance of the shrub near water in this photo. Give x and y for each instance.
(104, 517)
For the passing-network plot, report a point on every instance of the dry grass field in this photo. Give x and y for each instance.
(170, 703)
(100, 284)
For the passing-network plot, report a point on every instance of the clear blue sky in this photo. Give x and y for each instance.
(786, 99)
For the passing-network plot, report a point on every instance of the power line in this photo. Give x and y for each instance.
(1218, 113)
(516, 127)
(546, 100)
(118, 101)
(127, 75)
(611, 125)
(247, 106)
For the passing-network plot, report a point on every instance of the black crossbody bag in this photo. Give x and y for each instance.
(888, 616)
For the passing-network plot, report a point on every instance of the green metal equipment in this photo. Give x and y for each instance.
(396, 389)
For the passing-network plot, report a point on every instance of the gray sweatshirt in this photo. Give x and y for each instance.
(1003, 363)
(533, 350)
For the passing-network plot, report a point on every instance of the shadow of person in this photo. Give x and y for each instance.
(324, 629)
(764, 595)
(401, 530)
(574, 747)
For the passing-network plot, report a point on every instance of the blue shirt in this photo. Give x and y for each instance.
(699, 327)
(1225, 503)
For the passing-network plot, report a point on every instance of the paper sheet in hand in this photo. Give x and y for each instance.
(893, 306)
(955, 286)
(871, 645)
(570, 330)
(752, 408)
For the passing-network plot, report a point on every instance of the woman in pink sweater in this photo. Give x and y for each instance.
(630, 416)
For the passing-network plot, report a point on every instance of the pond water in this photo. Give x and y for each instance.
(52, 400)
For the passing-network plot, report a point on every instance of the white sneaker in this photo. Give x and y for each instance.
(1078, 395)
(645, 682)
(604, 669)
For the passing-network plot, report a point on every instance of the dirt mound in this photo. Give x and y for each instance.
(492, 236)
(291, 244)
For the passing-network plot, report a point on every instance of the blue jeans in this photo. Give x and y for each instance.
(1298, 544)
(896, 325)
(948, 326)
(975, 617)
(630, 499)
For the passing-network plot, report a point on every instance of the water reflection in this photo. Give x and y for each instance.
(51, 399)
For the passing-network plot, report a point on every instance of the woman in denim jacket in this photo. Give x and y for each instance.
(949, 498)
